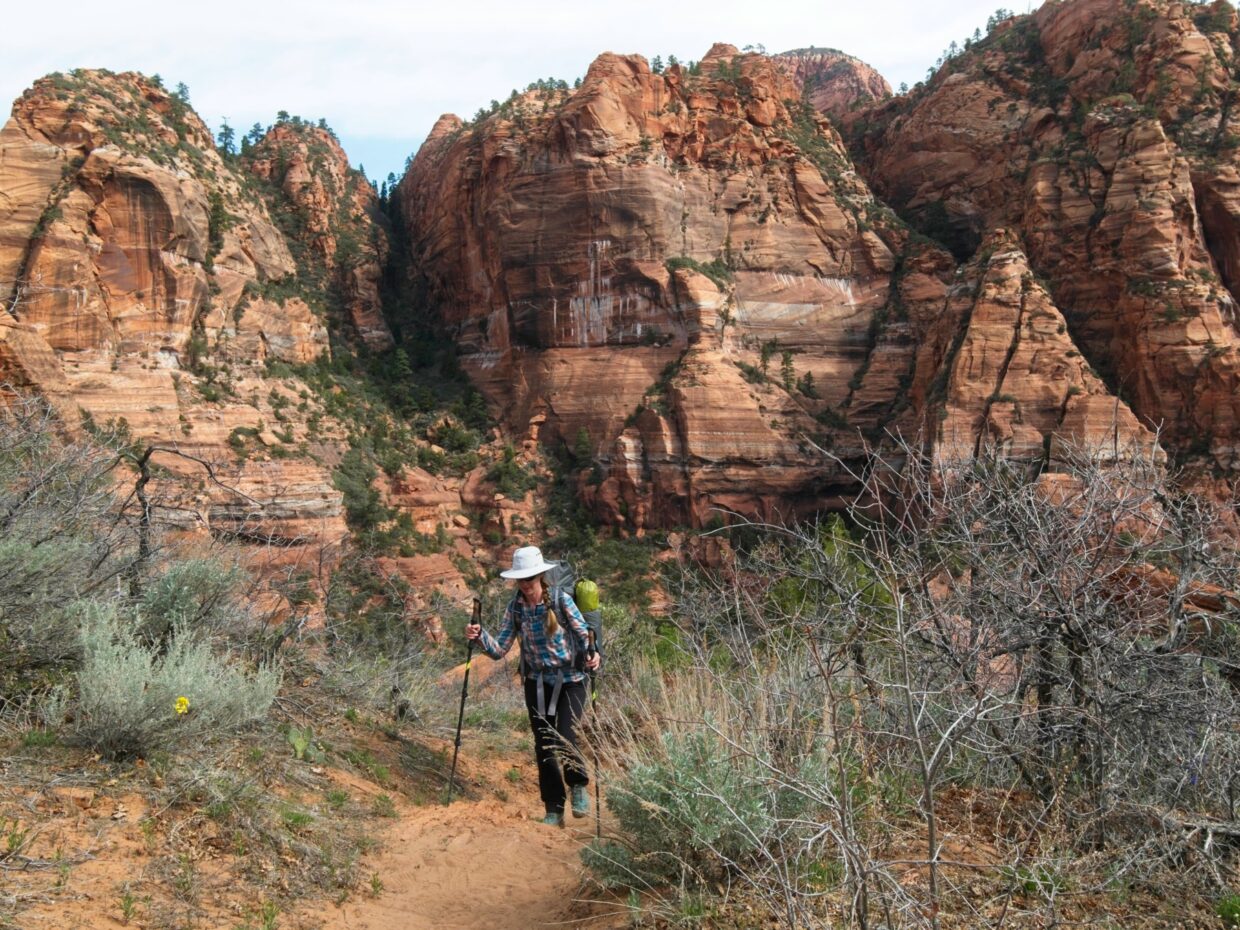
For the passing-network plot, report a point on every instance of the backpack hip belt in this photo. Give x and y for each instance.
(540, 677)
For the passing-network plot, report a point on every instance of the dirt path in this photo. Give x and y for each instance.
(477, 864)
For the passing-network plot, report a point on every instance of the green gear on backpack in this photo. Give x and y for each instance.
(586, 595)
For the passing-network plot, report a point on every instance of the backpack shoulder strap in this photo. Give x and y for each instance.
(578, 649)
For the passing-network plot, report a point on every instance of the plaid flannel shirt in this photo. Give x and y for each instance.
(541, 654)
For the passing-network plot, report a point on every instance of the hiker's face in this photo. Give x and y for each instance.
(531, 589)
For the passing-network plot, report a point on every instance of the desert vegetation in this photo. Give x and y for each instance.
(246, 721)
(976, 698)
(177, 680)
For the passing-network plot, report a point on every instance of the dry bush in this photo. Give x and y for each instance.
(965, 630)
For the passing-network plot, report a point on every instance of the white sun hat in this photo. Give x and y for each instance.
(526, 563)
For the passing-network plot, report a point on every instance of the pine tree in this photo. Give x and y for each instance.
(226, 139)
(402, 371)
(786, 371)
(583, 449)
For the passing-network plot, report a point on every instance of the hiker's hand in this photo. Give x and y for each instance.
(473, 631)
(593, 661)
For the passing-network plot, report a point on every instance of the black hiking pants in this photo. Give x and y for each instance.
(555, 739)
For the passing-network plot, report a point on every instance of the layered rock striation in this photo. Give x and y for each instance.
(683, 273)
(998, 369)
(138, 273)
(651, 265)
(1102, 134)
(677, 279)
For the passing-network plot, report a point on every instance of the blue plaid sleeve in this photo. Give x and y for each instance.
(497, 646)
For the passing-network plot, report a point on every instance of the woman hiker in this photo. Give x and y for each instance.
(555, 691)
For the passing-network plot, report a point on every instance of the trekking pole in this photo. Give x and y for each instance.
(598, 813)
(475, 620)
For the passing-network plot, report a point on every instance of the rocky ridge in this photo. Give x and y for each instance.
(622, 262)
(133, 262)
(335, 214)
(677, 280)
(702, 237)
(147, 284)
(1102, 135)
(832, 82)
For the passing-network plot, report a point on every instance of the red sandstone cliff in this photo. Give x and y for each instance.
(684, 272)
(133, 264)
(335, 214)
(610, 261)
(832, 82)
(1104, 135)
(680, 273)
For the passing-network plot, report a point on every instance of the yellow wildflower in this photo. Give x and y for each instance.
(182, 706)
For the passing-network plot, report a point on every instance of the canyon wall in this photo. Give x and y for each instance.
(683, 273)
(145, 288)
(1102, 134)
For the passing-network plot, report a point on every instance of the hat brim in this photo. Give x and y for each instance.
(517, 574)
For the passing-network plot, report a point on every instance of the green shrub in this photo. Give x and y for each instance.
(510, 477)
(695, 807)
(129, 695)
(195, 593)
(718, 270)
(1228, 910)
(35, 627)
(38, 738)
(1036, 879)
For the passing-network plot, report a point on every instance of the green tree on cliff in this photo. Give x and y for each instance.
(583, 448)
(226, 139)
(786, 372)
(768, 348)
(805, 384)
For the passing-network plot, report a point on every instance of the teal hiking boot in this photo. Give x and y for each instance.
(554, 819)
(581, 801)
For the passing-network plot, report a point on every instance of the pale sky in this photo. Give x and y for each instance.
(381, 72)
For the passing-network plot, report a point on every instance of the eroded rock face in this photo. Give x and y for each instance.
(1104, 137)
(130, 260)
(682, 273)
(652, 265)
(1016, 381)
(340, 219)
(834, 83)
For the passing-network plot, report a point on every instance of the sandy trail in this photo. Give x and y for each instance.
(477, 864)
